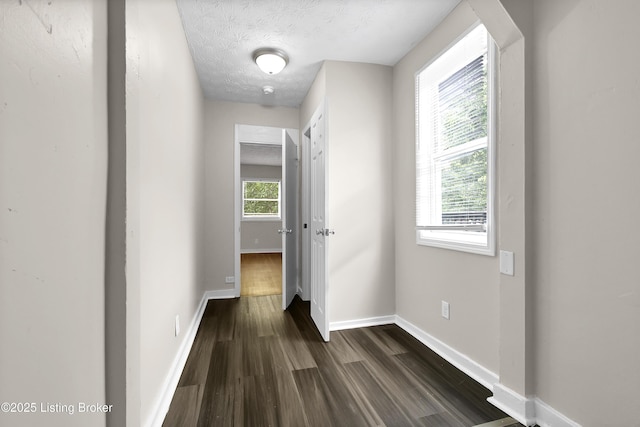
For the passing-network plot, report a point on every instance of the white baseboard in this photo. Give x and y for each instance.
(451, 355)
(173, 377)
(517, 406)
(170, 384)
(528, 411)
(546, 416)
(362, 323)
(219, 294)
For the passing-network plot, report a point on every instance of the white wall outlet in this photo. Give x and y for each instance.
(177, 325)
(229, 279)
(445, 310)
(506, 263)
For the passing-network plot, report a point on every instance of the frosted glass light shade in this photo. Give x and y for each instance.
(270, 61)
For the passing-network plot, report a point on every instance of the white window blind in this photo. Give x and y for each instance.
(453, 145)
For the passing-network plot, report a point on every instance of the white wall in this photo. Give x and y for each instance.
(587, 288)
(165, 182)
(53, 178)
(360, 208)
(260, 235)
(220, 119)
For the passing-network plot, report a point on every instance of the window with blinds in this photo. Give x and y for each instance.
(454, 147)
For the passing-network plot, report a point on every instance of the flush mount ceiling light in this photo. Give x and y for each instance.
(270, 60)
(268, 90)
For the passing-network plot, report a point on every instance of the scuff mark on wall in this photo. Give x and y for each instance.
(42, 18)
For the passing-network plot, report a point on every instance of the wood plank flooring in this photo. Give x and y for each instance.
(253, 364)
(261, 274)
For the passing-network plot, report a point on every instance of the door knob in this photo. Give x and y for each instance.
(285, 231)
(324, 232)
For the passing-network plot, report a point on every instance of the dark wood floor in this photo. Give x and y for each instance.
(252, 364)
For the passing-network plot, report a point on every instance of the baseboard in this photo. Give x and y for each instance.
(546, 416)
(362, 323)
(261, 251)
(219, 294)
(517, 406)
(171, 382)
(453, 356)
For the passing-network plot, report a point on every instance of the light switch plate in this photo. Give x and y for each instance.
(506, 263)
(445, 310)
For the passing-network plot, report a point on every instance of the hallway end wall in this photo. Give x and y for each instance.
(220, 118)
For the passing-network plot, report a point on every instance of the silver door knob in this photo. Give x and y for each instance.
(285, 231)
(324, 232)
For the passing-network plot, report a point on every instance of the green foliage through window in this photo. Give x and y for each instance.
(261, 198)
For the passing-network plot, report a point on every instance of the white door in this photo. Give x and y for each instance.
(319, 233)
(289, 206)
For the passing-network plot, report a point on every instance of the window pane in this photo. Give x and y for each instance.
(464, 189)
(463, 105)
(261, 190)
(260, 207)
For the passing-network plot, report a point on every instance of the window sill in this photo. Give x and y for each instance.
(480, 244)
(261, 219)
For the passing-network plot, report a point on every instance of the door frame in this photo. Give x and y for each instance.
(252, 134)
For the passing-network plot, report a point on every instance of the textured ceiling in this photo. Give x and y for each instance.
(222, 35)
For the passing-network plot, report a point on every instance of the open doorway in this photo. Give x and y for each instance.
(266, 182)
(260, 242)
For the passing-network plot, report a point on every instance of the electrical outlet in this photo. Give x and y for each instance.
(445, 310)
(229, 279)
(177, 325)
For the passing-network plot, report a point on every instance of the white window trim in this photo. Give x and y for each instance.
(274, 218)
(451, 238)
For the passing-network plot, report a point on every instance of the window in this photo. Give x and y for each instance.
(454, 147)
(260, 199)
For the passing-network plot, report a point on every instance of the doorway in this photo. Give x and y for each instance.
(266, 210)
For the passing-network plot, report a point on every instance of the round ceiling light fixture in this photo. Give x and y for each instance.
(270, 60)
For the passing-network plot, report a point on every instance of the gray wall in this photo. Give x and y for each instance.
(425, 275)
(260, 235)
(586, 302)
(165, 183)
(576, 287)
(53, 180)
(361, 257)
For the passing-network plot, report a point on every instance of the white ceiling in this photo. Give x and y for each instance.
(222, 35)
